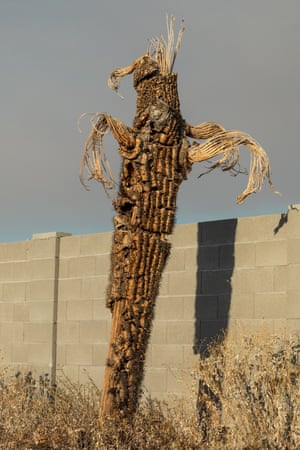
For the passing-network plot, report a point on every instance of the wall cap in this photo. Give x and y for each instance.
(51, 234)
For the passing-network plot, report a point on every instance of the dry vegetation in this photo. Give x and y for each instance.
(248, 399)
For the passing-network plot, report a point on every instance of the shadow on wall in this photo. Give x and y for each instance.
(215, 268)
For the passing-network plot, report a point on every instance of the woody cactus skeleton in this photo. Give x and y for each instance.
(156, 157)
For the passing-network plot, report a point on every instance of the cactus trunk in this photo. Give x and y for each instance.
(146, 206)
(156, 158)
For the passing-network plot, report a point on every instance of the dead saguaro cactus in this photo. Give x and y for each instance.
(156, 157)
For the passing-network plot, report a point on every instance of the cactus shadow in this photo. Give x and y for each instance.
(215, 265)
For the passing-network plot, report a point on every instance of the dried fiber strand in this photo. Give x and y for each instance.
(226, 143)
(178, 43)
(115, 77)
(204, 130)
(94, 159)
(163, 51)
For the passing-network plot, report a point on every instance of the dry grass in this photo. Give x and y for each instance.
(248, 399)
(249, 395)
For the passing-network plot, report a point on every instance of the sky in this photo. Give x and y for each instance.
(239, 65)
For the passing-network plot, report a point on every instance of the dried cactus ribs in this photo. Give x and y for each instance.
(156, 158)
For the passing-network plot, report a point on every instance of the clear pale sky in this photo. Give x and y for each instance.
(239, 65)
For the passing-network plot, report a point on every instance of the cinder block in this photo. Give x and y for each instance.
(224, 305)
(244, 255)
(21, 271)
(60, 355)
(169, 308)
(82, 267)
(185, 235)
(294, 251)
(40, 290)
(100, 312)
(245, 230)
(293, 305)
(94, 244)
(206, 307)
(20, 353)
(11, 332)
(6, 311)
(280, 327)
(69, 289)
(20, 312)
(62, 310)
(176, 261)
(159, 332)
(272, 253)
(241, 306)
(260, 228)
(214, 282)
(79, 354)
(280, 278)
(180, 331)
(14, 251)
(39, 354)
(42, 269)
(227, 256)
(293, 224)
(80, 310)
(6, 354)
(164, 355)
(208, 257)
(293, 326)
(148, 359)
(64, 268)
(37, 332)
(270, 305)
(182, 283)
(164, 284)
(191, 258)
(42, 248)
(189, 307)
(6, 271)
(14, 291)
(179, 381)
(155, 380)
(69, 246)
(69, 371)
(102, 264)
(99, 354)
(39, 311)
(190, 358)
(248, 327)
(217, 232)
(211, 329)
(94, 287)
(68, 332)
(252, 280)
(294, 277)
(93, 331)
(92, 374)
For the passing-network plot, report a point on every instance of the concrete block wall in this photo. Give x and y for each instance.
(236, 274)
(28, 299)
(83, 320)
